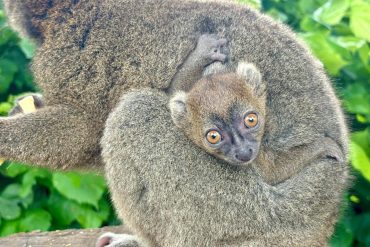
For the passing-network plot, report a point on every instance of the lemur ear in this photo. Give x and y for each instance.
(252, 76)
(178, 109)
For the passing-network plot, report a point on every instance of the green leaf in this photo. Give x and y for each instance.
(252, 3)
(308, 24)
(9, 227)
(277, 15)
(332, 12)
(7, 36)
(11, 191)
(322, 48)
(29, 180)
(308, 6)
(7, 70)
(62, 209)
(343, 236)
(360, 19)
(28, 48)
(14, 169)
(104, 209)
(88, 217)
(5, 107)
(357, 99)
(9, 209)
(349, 42)
(37, 219)
(360, 161)
(362, 138)
(361, 226)
(364, 53)
(83, 189)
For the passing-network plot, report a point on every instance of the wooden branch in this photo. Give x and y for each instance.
(66, 238)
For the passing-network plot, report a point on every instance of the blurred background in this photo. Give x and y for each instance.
(338, 33)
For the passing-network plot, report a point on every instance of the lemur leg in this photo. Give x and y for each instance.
(57, 137)
(286, 164)
(117, 240)
(36, 101)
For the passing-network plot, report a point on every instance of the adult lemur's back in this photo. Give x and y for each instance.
(91, 52)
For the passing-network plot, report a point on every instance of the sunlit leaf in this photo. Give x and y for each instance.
(322, 48)
(27, 47)
(14, 169)
(350, 42)
(360, 19)
(360, 161)
(253, 3)
(83, 189)
(332, 11)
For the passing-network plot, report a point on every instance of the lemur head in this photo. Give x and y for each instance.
(224, 114)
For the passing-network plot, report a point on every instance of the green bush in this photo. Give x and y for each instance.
(337, 31)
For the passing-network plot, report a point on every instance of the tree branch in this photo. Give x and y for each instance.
(66, 238)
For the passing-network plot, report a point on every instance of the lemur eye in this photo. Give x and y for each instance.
(213, 137)
(251, 120)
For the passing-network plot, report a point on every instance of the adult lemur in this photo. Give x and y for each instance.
(173, 194)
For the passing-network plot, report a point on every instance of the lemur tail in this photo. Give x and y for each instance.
(30, 17)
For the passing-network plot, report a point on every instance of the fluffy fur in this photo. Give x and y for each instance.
(170, 192)
(190, 198)
(91, 52)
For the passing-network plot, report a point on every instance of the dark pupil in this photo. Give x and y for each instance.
(214, 136)
(251, 120)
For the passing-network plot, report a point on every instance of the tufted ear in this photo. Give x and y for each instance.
(178, 108)
(252, 76)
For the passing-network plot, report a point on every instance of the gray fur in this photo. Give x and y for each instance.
(171, 192)
(190, 198)
(209, 49)
(93, 51)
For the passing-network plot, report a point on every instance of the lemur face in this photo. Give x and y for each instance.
(236, 139)
(224, 114)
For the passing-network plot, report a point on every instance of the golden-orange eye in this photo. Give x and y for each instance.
(213, 137)
(251, 120)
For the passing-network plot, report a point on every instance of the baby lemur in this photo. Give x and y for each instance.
(224, 113)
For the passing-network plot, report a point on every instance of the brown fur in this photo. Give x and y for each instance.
(215, 94)
(169, 191)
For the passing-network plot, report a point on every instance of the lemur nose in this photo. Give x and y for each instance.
(244, 155)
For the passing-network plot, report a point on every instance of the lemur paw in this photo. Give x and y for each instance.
(212, 48)
(117, 240)
(27, 104)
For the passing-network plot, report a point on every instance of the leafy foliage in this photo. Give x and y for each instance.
(338, 33)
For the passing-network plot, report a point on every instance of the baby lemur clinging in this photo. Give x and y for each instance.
(224, 113)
